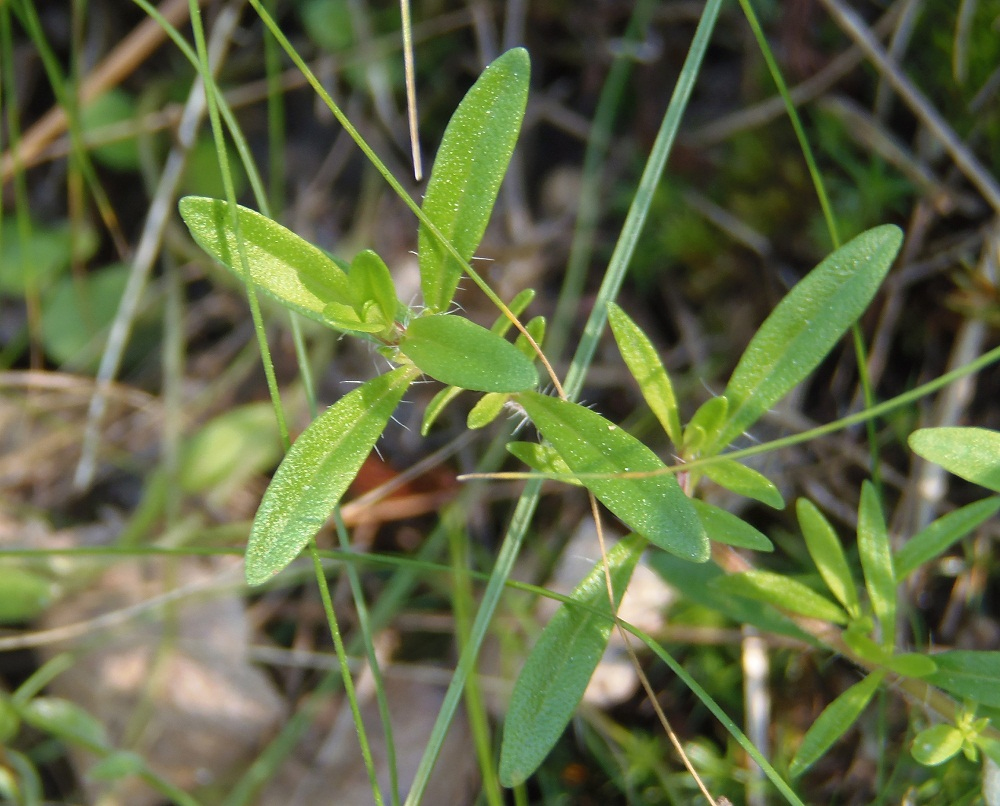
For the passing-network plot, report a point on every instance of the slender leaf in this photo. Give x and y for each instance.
(834, 722)
(317, 471)
(937, 744)
(969, 674)
(557, 671)
(743, 480)
(912, 664)
(535, 327)
(653, 506)
(486, 410)
(471, 162)
(64, 719)
(826, 551)
(725, 527)
(544, 459)
(784, 592)
(805, 326)
(458, 352)
(936, 538)
(644, 363)
(705, 424)
(971, 453)
(372, 289)
(284, 266)
(697, 583)
(876, 562)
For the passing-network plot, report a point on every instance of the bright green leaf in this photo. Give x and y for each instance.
(470, 165)
(282, 265)
(834, 722)
(654, 506)
(862, 645)
(437, 405)
(743, 480)
(536, 327)
(937, 537)
(705, 424)
(912, 664)
(971, 453)
(937, 744)
(557, 671)
(644, 363)
(24, 595)
(64, 719)
(876, 562)
(486, 410)
(117, 765)
(784, 592)
(317, 471)
(725, 527)
(969, 674)
(828, 555)
(806, 325)
(370, 281)
(456, 351)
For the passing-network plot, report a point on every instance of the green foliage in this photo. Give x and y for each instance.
(805, 326)
(470, 164)
(972, 453)
(24, 595)
(110, 107)
(783, 592)
(826, 551)
(458, 352)
(876, 562)
(937, 537)
(596, 450)
(553, 679)
(971, 675)
(317, 471)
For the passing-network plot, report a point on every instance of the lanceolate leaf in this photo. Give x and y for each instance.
(469, 167)
(456, 351)
(876, 561)
(282, 265)
(805, 326)
(825, 549)
(557, 671)
(543, 458)
(317, 471)
(969, 674)
(784, 592)
(653, 506)
(834, 722)
(972, 453)
(724, 527)
(644, 363)
(936, 538)
(743, 480)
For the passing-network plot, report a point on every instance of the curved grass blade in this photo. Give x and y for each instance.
(971, 453)
(555, 676)
(653, 506)
(876, 562)
(644, 363)
(828, 555)
(936, 538)
(834, 722)
(471, 162)
(284, 266)
(317, 471)
(805, 326)
(458, 352)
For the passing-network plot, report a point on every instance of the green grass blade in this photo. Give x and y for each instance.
(784, 592)
(971, 453)
(828, 555)
(317, 471)
(653, 506)
(805, 326)
(555, 676)
(834, 722)
(470, 165)
(458, 352)
(876, 562)
(936, 538)
(644, 363)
